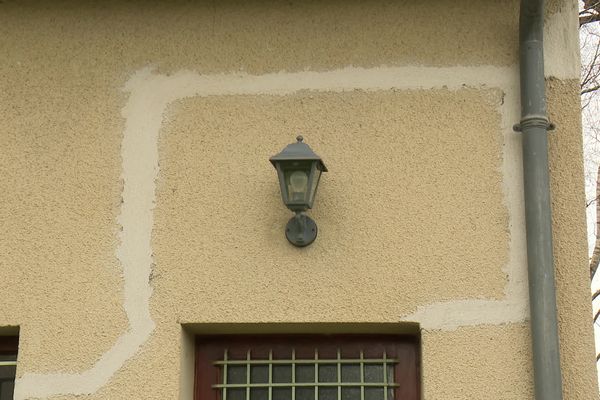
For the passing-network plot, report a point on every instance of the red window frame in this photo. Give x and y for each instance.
(405, 348)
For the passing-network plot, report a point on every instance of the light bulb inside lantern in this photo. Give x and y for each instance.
(298, 185)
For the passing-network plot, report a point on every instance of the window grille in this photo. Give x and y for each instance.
(312, 367)
(307, 379)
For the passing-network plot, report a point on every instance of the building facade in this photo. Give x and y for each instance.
(141, 215)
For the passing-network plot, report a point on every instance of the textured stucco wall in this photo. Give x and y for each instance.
(570, 247)
(382, 209)
(139, 207)
(60, 278)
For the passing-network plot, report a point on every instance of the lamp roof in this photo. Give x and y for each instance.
(297, 151)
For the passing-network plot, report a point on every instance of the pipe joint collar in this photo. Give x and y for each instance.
(534, 121)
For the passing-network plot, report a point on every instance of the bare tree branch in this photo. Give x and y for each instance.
(589, 90)
(591, 70)
(596, 254)
(589, 203)
(590, 12)
(588, 19)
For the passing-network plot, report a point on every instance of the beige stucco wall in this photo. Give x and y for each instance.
(139, 207)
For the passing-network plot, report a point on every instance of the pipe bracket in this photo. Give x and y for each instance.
(534, 121)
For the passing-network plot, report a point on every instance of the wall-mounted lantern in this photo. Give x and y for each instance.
(299, 170)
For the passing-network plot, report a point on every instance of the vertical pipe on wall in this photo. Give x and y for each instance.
(534, 126)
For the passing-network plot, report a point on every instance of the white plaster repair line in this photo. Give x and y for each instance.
(150, 95)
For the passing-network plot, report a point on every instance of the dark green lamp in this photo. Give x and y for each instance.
(299, 170)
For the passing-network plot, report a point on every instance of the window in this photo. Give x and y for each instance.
(8, 366)
(307, 367)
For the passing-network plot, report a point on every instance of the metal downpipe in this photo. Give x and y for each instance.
(534, 126)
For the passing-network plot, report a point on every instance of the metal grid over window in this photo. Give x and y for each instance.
(310, 367)
(307, 379)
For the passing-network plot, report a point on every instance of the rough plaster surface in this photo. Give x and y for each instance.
(258, 36)
(154, 92)
(74, 327)
(151, 93)
(570, 246)
(60, 194)
(69, 41)
(481, 362)
(139, 167)
(386, 185)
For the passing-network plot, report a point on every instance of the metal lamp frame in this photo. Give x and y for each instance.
(300, 230)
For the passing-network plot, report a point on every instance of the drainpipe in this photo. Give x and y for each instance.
(534, 126)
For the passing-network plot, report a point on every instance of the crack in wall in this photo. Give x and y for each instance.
(150, 95)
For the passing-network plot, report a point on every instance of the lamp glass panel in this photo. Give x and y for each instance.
(296, 181)
(297, 186)
(315, 183)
